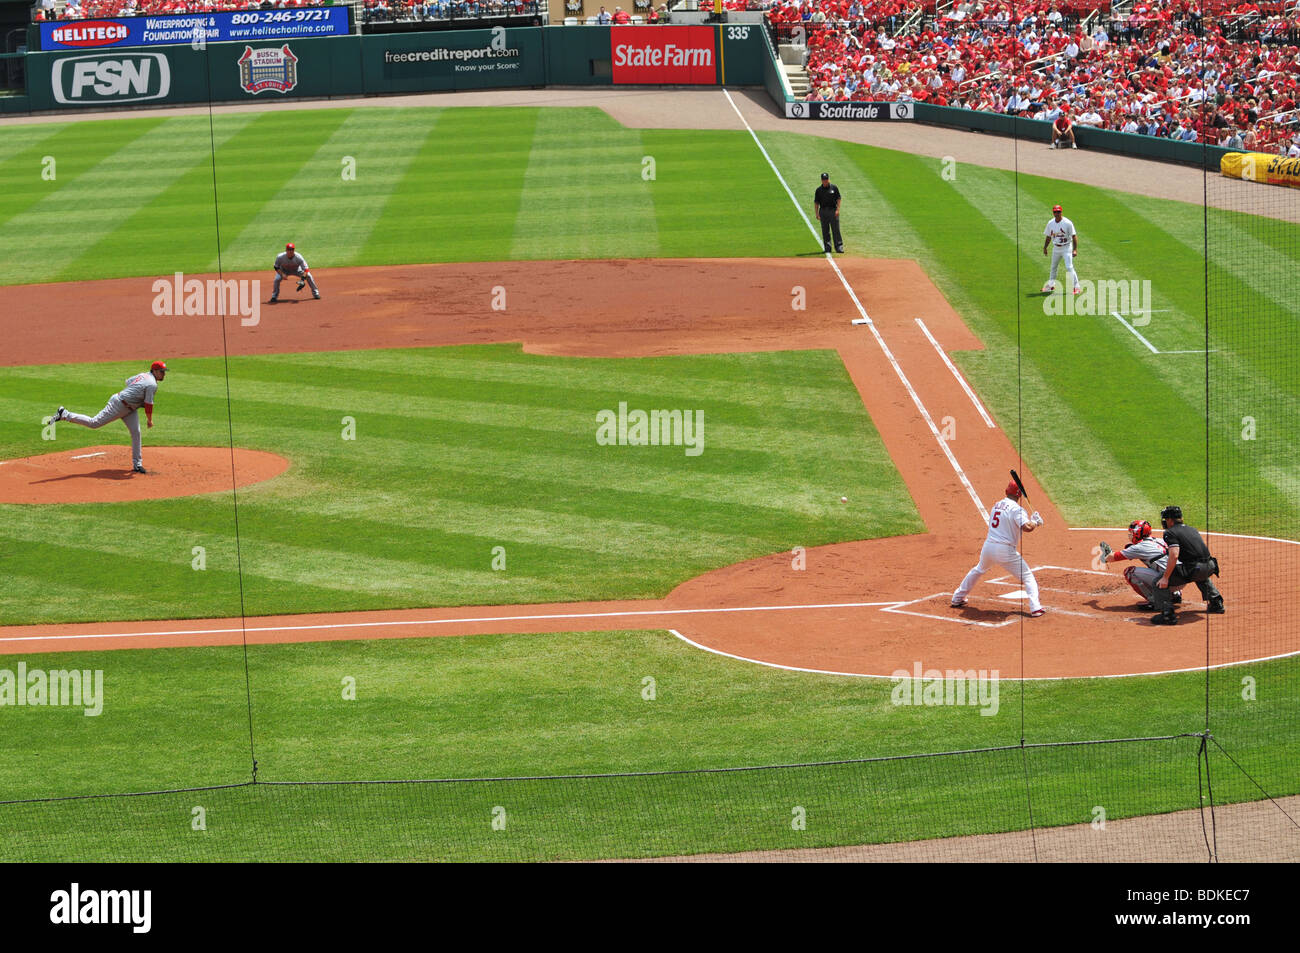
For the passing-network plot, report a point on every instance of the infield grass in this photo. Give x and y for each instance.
(454, 453)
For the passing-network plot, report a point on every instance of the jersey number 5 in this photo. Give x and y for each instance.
(996, 517)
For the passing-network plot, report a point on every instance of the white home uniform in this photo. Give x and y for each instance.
(1062, 235)
(291, 263)
(123, 406)
(1001, 548)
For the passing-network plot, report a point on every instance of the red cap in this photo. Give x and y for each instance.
(288, 246)
(157, 366)
(1056, 208)
(1013, 491)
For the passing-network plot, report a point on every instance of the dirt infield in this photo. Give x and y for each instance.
(103, 474)
(861, 608)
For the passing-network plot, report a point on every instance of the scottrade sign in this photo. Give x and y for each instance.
(670, 55)
(293, 23)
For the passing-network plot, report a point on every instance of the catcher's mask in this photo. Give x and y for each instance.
(1138, 530)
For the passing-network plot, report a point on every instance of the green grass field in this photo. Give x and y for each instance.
(495, 447)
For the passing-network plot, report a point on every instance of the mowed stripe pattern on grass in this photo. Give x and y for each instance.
(457, 451)
(487, 184)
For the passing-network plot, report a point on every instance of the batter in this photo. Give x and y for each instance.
(1002, 548)
(1061, 237)
(124, 406)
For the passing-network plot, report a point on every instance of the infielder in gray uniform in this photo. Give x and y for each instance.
(1152, 553)
(124, 406)
(290, 264)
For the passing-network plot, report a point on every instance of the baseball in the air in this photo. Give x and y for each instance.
(844, 499)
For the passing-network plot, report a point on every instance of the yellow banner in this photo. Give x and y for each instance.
(1261, 167)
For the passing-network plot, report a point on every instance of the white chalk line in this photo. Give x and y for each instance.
(471, 620)
(1036, 678)
(889, 355)
(1152, 348)
(957, 374)
(85, 456)
(1138, 334)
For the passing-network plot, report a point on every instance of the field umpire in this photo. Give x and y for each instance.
(826, 202)
(1189, 562)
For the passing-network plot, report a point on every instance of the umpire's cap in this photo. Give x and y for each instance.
(825, 176)
(1171, 513)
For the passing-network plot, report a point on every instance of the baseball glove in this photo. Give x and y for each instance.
(1105, 552)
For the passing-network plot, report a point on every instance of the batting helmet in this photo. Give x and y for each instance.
(288, 246)
(1013, 491)
(1171, 513)
(1138, 530)
(157, 366)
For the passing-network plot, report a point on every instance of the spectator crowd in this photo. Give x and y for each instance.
(1163, 68)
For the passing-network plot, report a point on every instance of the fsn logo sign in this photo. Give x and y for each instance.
(124, 78)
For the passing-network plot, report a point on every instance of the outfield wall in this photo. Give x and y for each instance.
(381, 64)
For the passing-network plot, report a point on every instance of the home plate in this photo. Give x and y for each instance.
(1018, 594)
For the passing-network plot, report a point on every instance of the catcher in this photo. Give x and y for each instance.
(290, 264)
(1154, 556)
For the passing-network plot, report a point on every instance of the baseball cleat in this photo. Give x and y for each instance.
(1165, 618)
(958, 605)
(826, 249)
(1216, 606)
(1047, 289)
(840, 249)
(1148, 607)
(316, 295)
(1036, 613)
(1073, 146)
(1076, 289)
(274, 299)
(138, 469)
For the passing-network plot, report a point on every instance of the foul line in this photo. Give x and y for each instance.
(1120, 318)
(467, 619)
(957, 374)
(101, 453)
(925, 414)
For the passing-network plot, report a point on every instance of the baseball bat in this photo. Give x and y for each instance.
(1023, 495)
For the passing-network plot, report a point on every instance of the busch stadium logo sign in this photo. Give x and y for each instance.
(268, 68)
(871, 112)
(101, 78)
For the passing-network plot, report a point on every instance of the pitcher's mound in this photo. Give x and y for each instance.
(104, 475)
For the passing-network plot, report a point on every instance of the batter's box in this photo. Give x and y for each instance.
(1067, 579)
(937, 606)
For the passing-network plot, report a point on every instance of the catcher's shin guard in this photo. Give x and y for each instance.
(1128, 578)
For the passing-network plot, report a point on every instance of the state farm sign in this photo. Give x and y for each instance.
(663, 54)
